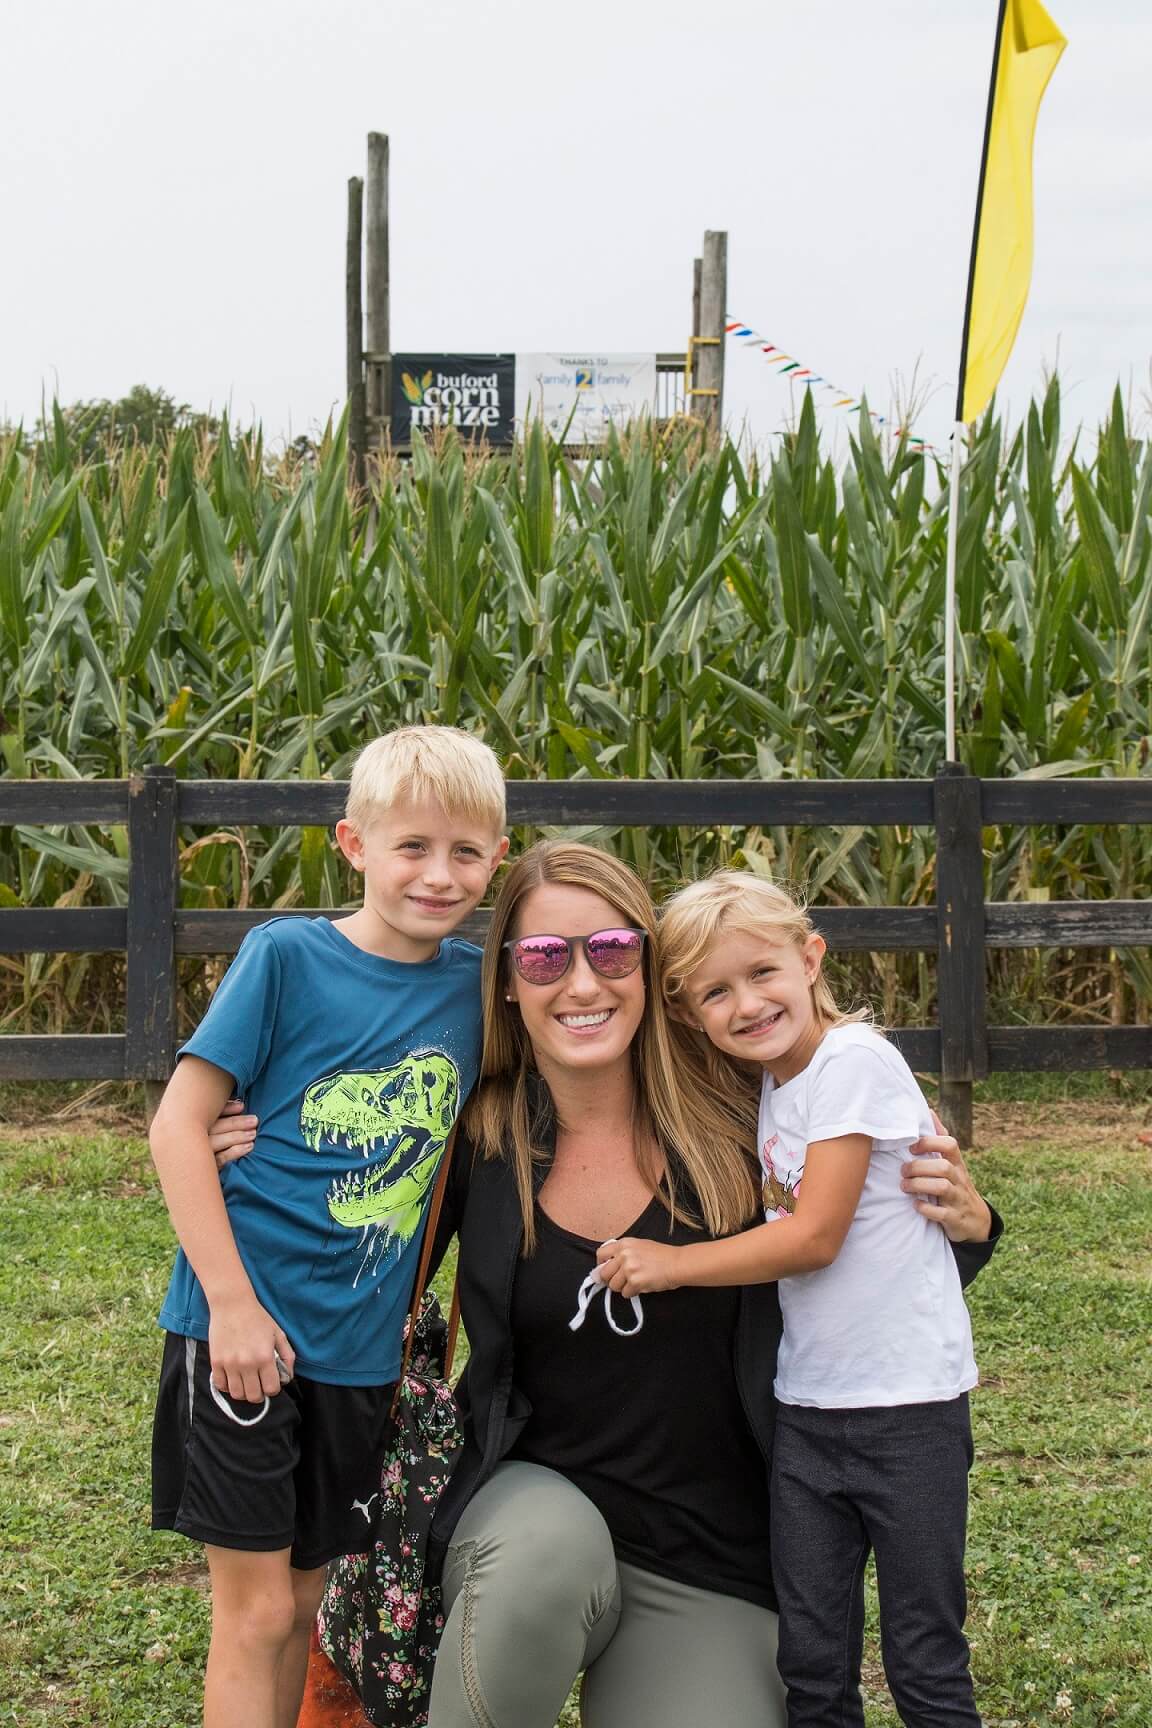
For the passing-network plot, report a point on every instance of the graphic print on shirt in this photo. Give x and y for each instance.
(399, 1117)
(778, 1193)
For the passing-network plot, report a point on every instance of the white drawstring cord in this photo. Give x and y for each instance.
(587, 1294)
(249, 1421)
(240, 1421)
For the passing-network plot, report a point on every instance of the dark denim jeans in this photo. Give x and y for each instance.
(893, 1481)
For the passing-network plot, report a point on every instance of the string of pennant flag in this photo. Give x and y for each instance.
(788, 365)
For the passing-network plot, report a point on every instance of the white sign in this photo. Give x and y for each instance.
(579, 396)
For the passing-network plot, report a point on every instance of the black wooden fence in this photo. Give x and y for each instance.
(153, 928)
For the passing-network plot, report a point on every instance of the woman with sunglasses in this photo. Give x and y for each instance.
(609, 1513)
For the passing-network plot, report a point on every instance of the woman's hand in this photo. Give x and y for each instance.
(632, 1267)
(233, 1134)
(937, 1178)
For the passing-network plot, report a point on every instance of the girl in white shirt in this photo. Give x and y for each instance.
(873, 1439)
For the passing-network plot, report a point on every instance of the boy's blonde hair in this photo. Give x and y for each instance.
(417, 764)
(737, 902)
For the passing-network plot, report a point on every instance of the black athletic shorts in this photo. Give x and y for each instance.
(300, 1470)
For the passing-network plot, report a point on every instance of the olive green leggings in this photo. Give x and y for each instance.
(534, 1596)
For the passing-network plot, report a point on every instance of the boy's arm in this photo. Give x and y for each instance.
(834, 1172)
(243, 1339)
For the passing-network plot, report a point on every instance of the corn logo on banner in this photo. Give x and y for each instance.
(473, 392)
(490, 397)
(578, 396)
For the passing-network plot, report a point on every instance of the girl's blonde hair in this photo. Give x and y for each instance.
(733, 902)
(704, 1133)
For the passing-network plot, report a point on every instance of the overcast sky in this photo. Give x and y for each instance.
(175, 188)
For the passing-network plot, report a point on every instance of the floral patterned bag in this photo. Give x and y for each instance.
(379, 1622)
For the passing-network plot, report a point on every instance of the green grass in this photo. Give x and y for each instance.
(103, 1625)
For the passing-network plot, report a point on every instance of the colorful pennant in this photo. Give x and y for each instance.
(788, 365)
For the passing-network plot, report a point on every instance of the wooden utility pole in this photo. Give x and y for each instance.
(378, 328)
(706, 398)
(354, 332)
(697, 268)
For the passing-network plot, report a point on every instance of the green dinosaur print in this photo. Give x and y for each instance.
(405, 1111)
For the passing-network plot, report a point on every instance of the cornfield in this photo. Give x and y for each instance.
(669, 609)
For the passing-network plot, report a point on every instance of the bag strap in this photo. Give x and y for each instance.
(453, 1326)
(421, 1282)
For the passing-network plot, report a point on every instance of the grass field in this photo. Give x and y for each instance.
(103, 1625)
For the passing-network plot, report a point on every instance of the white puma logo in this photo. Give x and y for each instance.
(363, 1505)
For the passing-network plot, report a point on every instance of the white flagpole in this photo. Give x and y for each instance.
(950, 596)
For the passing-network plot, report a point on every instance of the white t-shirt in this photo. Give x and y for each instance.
(886, 1322)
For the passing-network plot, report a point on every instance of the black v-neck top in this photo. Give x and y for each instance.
(649, 1427)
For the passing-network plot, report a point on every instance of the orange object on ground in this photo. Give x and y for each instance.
(329, 1701)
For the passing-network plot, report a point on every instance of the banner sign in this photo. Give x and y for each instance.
(473, 392)
(580, 395)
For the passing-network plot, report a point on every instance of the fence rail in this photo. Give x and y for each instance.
(153, 929)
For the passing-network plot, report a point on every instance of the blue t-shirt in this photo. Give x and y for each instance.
(357, 1067)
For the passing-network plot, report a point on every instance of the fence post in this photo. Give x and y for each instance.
(377, 290)
(150, 1021)
(354, 332)
(706, 386)
(961, 981)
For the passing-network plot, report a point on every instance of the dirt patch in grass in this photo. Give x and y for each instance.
(54, 1701)
(874, 1683)
(112, 1119)
(1090, 1473)
(1094, 1121)
(110, 1105)
(186, 1574)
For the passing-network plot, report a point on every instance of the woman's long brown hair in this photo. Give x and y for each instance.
(701, 1132)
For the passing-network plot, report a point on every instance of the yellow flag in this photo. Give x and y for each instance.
(1028, 47)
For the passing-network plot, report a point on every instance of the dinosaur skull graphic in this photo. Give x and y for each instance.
(404, 1113)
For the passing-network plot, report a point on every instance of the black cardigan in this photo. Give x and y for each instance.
(482, 1207)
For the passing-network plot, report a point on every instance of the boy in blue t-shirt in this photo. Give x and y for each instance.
(356, 1041)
